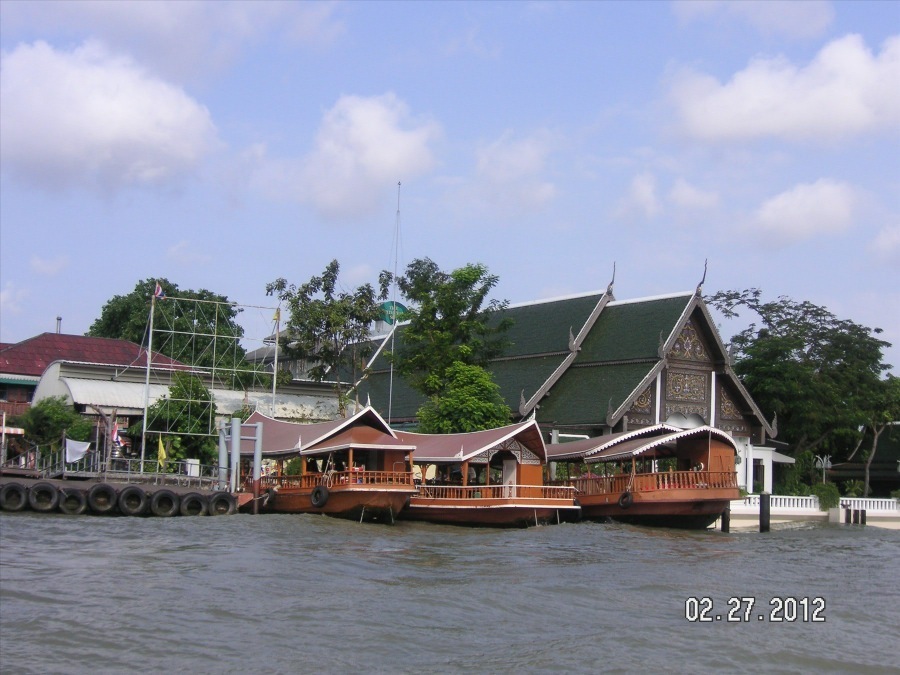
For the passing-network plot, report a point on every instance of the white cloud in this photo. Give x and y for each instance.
(508, 173)
(363, 145)
(844, 91)
(641, 199)
(807, 210)
(184, 254)
(806, 19)
(886, 245)
(13, 299)
(686, 196)
(177, 38)
(91, 118)
(49, 266)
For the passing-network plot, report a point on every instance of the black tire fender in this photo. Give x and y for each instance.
(319, 496)
(102, 498)
(73, 501)
(43, 497)
(193, 504)
(222, 504)
(626, 500)
(13, 497)
(133, 501)
(165, 504)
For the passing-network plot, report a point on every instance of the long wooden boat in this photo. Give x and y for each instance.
(351, 468)
(660, 475)
(487, 478)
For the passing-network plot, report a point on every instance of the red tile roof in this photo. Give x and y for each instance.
(32, 356)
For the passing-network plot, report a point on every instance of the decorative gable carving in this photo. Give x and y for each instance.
(689, 346)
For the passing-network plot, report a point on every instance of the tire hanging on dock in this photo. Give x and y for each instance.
(319, 496)
(43, 497)
(102, 498)
(221, 504)
(13, 497)
(165, 504)
(193, 504)
(133, 501)
(72, 501)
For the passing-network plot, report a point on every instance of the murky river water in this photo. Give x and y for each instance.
(309, 594)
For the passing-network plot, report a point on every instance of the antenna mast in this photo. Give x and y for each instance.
(394, 304)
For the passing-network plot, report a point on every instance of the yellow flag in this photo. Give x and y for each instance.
(277, 316)
(161, 453)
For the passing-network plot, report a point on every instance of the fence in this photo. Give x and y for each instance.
(811, 503)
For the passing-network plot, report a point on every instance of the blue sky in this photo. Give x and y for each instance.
(224, 145)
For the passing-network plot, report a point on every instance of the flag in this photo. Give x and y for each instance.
(161, 453)
(75, 450)
(115, 435)
(277, 316)
(159, 292)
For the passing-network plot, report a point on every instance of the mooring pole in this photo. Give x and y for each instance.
(726, 519)
(764, 511)
(257, 465)
(235, 453)
(223, 456)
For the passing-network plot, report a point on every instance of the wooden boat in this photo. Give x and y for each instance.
(463, 490)
(659, 475)
(351, 468)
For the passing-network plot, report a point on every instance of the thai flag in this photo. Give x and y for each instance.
(159, 292)
(115, 435)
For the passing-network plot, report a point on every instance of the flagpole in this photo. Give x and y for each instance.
(147, 382)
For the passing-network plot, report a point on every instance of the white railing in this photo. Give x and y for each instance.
(811, 503)
(869, 504)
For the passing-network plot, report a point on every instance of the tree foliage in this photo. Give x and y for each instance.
(205, 334)
(816, 372)
(450, 321)
(188, 413)
(49, 419)
(327, 326)
(469, 401)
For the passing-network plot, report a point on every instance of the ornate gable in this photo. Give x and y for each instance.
(689, 346)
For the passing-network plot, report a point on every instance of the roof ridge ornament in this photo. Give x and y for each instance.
(703, 280)
(573, 347)
(609, 287)
(522, 404)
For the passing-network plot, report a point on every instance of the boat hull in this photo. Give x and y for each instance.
(370, 504)
(686, 509)
(491, 512)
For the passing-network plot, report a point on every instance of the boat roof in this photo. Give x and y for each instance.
(365, 429)
(456, 448)
(630, 444)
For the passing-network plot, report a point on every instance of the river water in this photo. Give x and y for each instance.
(311, 594)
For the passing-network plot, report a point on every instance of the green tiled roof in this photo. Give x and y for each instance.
(583, 395)
(631, 330)
(625, 332)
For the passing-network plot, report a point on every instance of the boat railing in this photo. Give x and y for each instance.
(644, 482)
(497, 491)
(338, 478)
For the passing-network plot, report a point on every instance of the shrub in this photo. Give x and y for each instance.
(828, 495)
(854, 488)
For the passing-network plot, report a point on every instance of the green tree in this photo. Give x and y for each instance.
(470, 401)
(881, 412)
(188, 413)
(328, 327)
(204, 334)
(49, 419)
(450, 321)
(816, 372)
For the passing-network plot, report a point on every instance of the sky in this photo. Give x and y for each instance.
(224, 145)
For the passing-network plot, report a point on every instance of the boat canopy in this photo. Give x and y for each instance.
(364, 430)
(631, 444)
(458, 448)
